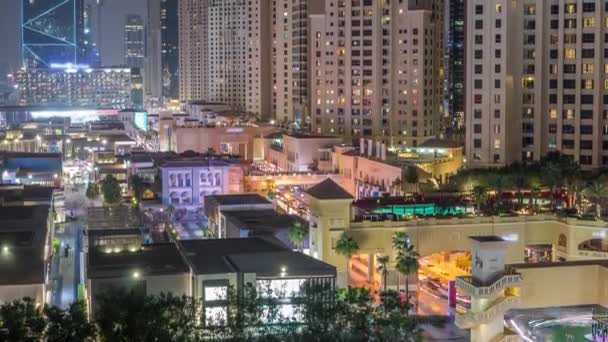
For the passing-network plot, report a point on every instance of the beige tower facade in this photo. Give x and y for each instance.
(536, 81)
(377, 70)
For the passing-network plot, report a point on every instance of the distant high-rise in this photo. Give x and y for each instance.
(153, 68)
(213, 51)
(51, 32)
(455, 10)
(162, 49)
(376, 70)
(169, 48)
(135, 41)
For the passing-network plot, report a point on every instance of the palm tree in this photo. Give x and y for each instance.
(552, 177)
(596, 192)
(382, 268)
(575, 188)
(407, 258)
(535, 187)
(499, 183)
(480, 196)
(411, 176)
(347, 247)
(297, 234)
(520, 181)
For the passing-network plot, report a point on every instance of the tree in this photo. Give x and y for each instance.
(111, 190)
(520, 181)
(92, 191)
(297, 234)
(382, 268)
(596, 192)
(137, 185)
(499, 183)
(480, 196)
(22, 321)
(69, 325)
(552, 177)
(407, 258)
(411, 176)
(347, 247)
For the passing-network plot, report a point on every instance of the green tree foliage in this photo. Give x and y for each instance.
(407, 257)
(110, 190)
(21, 320)
(411, 176)
(138, 185)
(92, 191)
(597, 192)
(69, 325)
(383, 268)
(297, 234)
(347, 246)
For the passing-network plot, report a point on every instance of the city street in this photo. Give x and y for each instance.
(66, 266)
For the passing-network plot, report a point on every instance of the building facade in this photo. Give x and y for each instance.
(51, 32)
(153, 64)
(135, 41)
(75, 86)
(377, 70)
(536, 82)
(187, 182)
(169, 38)
(454, 70)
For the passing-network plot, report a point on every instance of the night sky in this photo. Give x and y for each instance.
(113, 15)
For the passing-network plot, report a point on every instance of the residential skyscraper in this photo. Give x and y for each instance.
(213, 51)
(536, 82)
(135, 41)
(377, 70)
(290, 100)
(169, 48)
(455, 40)
(153, 68)
(51, 31)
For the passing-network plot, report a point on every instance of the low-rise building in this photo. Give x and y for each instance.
(218, 264)
(147, 270)
(296, 152)
(186, 181)
(26, 234)
(44, 169)
(372, 171)
(215, 205)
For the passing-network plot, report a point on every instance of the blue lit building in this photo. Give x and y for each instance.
(51, 31)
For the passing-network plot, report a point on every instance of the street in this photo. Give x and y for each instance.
(66, 268)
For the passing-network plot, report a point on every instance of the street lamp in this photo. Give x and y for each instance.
(5, 249)
(136, 275)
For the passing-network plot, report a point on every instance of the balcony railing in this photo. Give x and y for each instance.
(471, 319)
(467, 285)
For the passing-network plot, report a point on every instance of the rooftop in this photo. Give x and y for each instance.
(120, 217)
(487, 238)
(440, 143)
(237, 199)
(261, 220)
(23, 230)
(329, 190)
(156, 259)
(272, 264)
(209, 256)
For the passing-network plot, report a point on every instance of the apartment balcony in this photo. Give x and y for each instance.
(472, 319)
(473, 289)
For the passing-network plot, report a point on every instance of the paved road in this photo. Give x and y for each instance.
(66, 268)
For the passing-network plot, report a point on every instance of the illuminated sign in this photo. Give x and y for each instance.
(141, 120)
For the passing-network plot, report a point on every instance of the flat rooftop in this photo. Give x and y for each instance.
(156, 259)
(487, 238)
(260, 220)
(251, 255)
(209, 256)
(24, 231)
(119, 217)
(238, 199)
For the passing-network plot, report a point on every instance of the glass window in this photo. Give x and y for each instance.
(216, 293)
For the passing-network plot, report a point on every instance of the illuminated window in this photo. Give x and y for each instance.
(589, 22)
(216, 293)
(553, 113)
(587, 84)
(498, 8)
(569, 53)
(568, 114)
(605, 84)
(215, 316)
(587, 68)
(496, 143)
(570, 8)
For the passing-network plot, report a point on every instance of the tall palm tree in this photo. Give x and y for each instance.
(596, 192)
(499, 183)
(382, 268)
(297, 234)
(480, 196)
(520, 181)
(407, 257)
(552, 177)
(347, 246)
(535, 187)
